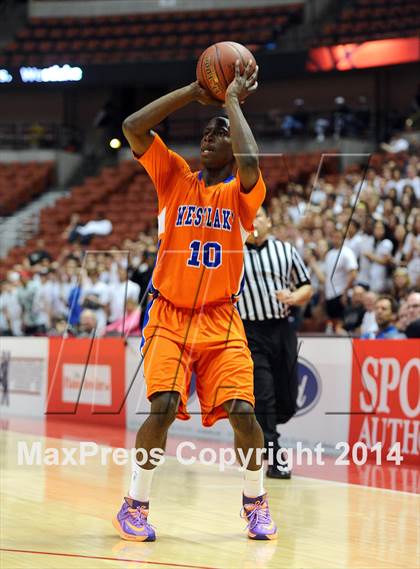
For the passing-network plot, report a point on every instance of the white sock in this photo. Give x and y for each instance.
(141, 482)
(253, 483)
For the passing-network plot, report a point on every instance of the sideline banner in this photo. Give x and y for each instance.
(324, 372)
(366, 391)
(23, 376)
(324, 376)
(385, 402)
(137, 405)
(86, 380)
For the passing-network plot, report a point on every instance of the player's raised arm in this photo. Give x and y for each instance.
(244, 146)
(137, 127)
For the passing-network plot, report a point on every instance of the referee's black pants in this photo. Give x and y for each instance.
(273, 346)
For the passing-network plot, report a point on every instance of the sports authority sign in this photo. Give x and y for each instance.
(385, 400)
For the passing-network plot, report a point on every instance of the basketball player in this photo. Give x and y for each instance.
(192, 322)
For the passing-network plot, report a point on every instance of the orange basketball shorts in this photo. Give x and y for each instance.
(210, 342)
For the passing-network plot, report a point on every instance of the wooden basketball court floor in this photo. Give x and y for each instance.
(60, 516)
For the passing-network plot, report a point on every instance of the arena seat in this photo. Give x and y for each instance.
(170, 35)
(126, 196)
(370, 20)
(22, 182)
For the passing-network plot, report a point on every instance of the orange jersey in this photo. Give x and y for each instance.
(202, 230)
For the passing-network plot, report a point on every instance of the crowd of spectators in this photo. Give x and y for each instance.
(79, 293)
(378, 213)
(367, 285)
(342, 120)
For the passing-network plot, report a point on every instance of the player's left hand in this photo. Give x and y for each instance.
(244, 83)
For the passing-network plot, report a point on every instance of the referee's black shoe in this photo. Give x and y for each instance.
(277, 471)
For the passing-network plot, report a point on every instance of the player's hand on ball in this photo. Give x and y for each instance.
(203, 97)
(244, 83)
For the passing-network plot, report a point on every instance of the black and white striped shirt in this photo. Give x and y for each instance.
(272, 266)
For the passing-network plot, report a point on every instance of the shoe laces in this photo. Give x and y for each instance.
(139, 514)
(256, 513)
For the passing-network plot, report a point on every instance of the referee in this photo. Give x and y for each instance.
(275, 279)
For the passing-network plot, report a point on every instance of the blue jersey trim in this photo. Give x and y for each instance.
(241, 288)
(225, 181)
(152, 290)
(145, 323)
(150, 286)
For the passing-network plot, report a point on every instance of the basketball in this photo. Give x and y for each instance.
(216, 66)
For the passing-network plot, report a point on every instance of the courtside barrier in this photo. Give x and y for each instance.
(349, 391)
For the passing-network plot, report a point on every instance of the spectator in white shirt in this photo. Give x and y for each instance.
(26, 294)
(340, 273)
(109, 274)
(11, 311)
(354, 238)
(120, 293)
(380, 259)
(397, 144)
(411, 251)
(84, 233)
(400, 284)
(399, 240)
(4, 318)
(366, 246)
(385, 208)
(88, 324)
(298, 205)
(369, 324)
(413, 315)
(392, 194)
(44, 298)
(95, 296)
(396, 182)
(331, 204)
(317, 194)
(413, 180)
(408, 200)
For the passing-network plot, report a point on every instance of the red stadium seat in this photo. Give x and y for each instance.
(158, 31)
(19, 183)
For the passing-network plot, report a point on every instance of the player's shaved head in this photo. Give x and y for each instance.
(220, 122)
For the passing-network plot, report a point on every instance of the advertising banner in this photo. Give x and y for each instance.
(385, 401)
(86, 380)
(324, 371)
(23, 376)
(376, 53)
(323, 402)
(137, 405)
(363, 392)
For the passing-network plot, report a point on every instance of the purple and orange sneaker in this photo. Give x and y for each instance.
(260, 525)
(131, 521)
